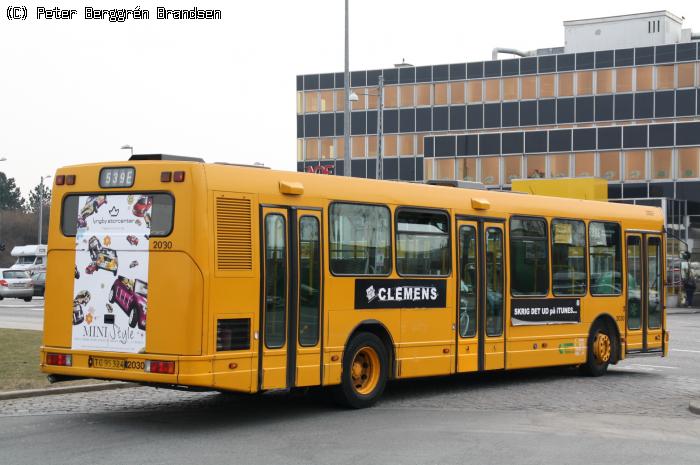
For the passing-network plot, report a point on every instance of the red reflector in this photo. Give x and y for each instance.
(179, 176)
(70, 179)
(60, 180)
(155, 366)
(59, 359)
(165, 176)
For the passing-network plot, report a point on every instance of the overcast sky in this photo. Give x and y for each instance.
(75, 91)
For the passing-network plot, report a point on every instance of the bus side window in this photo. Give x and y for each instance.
(605, 258)
(529, 266)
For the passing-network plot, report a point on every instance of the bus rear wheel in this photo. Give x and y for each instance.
(599, 355)
(365, 372)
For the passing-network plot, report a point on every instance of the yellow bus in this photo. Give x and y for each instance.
(170, 271)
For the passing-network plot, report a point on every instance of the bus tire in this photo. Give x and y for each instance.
(365, 372)
(601, 345)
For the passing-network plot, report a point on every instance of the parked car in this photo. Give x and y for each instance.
(131, 295)
(16, 284)
(39, 280)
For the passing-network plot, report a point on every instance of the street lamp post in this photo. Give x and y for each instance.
(41, 205)
(347, 168)
(128, 147)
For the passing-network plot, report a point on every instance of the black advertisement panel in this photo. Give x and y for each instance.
(400, 293)
(545, 311)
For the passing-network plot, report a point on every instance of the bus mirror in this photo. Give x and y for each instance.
(291, 188)
(480, 204)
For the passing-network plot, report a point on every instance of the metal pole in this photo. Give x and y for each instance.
(40, 206)
(380, 130)
(346, 113)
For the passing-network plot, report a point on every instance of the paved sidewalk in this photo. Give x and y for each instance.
(64, 390)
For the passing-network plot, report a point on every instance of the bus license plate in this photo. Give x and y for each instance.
(108, 363)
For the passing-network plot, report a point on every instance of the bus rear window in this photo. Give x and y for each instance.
(155, 209)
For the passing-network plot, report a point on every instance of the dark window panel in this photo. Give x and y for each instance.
(359, 168)
(461, 145)
(424, 74)
(492, 115)
(610, 138)
(391, 168)
(407, 75)
(661, 189)
(634, 136)
(458, 71)
(300, 126)
(373, 77)
(467, 145)
(624, 106)
(565, 110)
(510, 67)
(407, 169)
(440, 119)
(492, 68)
(634, 190)
(300, 166)
(528, 113)
(566, 62)
(391, 76)
(560, 140)
(327, 125)
(458, 117)
(390, 122)
(327, 81)
(528, 65)
(311, 82)
(604, 107)
(689, 191)
(372, 122)
(697, 105)
(424, 121)
(666, 53)
(686, 52)
(475, 116)
(339, 124)
(513, 142)
(407, 120)
(644, 56)
(372, 168)
(311, 125)
(419, 169)
(661, 135)
(605, 59)
(663, 104)
(546, 111)
(509, 114)
(547, 64)
(535, 141)
(644, 105)
(584, 109)
(489, 144)
(300, 82)
(338, 167)
(358, 123)
(685, 102)
(688, 134)
(475, 70)
(441, 73)
(358, 78)
(584, 139)
(339, 80)
(624, 57)
(585, 60)
(445, 146)
(614, 191)
(428, 143)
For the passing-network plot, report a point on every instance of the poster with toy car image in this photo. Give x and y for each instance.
(110, 291)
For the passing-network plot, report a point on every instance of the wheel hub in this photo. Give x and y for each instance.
(602, 347)
(365, 370)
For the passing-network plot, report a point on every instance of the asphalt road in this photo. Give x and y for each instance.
(637, 414)
(18, 314)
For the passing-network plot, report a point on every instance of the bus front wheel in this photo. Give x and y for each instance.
(601, 343)
(365, 372)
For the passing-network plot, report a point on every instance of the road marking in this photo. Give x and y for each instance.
(686, 350)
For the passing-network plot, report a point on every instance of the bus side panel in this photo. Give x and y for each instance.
(58, 298)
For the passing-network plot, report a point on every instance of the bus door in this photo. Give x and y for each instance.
(645, 296)
(480, 294)
(290, 319)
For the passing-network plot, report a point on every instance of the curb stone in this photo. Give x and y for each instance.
(694, 406)
(63, 390)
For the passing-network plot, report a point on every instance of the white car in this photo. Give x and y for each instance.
(16, 284)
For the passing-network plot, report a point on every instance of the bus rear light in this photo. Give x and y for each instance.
(70, 179)
(63, 360)
(166, 176)
(179, 176)
(60, 179)
(156, 366)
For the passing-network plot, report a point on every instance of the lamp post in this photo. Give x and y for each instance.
(128, 147)
(41, 205)
(379, 174)
(347, 168)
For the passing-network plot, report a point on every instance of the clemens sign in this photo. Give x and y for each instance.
(400, 293)
(545, 311)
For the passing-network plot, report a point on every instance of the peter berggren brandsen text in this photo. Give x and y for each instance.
(120, 15)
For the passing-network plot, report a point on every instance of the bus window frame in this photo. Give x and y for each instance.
(391, 242)
(585, 254)
(449, 239)
(623, 278)
(78, 194)
(510, 257)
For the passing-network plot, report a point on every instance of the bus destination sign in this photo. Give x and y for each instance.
(545, 311)
(400, 293)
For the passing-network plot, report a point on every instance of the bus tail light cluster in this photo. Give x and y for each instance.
(62, 360)
(62, 179)
(176, 176)
(161, 367)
